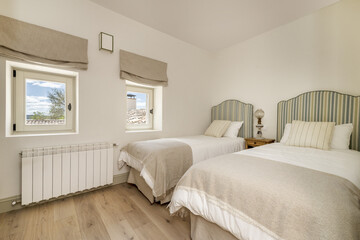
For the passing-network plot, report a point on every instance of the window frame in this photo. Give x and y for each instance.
(150, 106)
(16, 99)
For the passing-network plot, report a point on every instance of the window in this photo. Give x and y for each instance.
(140, 110)
(42, 102)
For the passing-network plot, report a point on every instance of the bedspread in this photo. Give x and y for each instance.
(161, 162)
(256, 198)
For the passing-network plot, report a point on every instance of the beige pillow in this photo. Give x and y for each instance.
(217, 128)
(311, 134)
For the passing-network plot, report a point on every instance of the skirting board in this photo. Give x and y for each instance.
(120, 178)
(5, 204)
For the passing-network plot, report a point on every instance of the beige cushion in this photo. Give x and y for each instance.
(311, 134)
(217, 128)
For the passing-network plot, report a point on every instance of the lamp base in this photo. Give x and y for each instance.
(259, 132)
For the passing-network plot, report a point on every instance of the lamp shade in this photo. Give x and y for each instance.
(259, 113)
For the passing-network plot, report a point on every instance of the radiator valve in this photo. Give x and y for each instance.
(15, 202)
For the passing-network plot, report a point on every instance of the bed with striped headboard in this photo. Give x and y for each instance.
(234, 110)
(321, 106)
(175, 152)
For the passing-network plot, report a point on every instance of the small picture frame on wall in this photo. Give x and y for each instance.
(106, 42)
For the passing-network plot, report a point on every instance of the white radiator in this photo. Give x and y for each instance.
(56, 171)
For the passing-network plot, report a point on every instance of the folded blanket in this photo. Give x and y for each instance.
(161, 162)
(255, 198)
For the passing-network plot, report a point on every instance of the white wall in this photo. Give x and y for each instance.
(186, 109)
(316, 52)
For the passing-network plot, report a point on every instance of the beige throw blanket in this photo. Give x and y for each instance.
(282, 201)
(161, 162)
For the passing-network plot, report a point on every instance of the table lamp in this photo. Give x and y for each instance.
(259, 114)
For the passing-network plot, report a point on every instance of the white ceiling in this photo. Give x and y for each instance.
(214, 24)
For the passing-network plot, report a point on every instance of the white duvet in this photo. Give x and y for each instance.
(205, 147)
(343, 163)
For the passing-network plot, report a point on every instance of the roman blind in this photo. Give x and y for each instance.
(142, 69)
(32, 43)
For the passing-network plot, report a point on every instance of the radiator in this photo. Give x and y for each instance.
(51, 172)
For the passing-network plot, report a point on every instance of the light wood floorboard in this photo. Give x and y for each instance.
(116, 212)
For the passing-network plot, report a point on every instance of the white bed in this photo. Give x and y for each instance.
(342, 163)
(202, 148)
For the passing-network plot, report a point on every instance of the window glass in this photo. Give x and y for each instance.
(139, 108)
(45, 102)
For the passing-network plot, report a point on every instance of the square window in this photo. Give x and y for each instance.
(139, 107)
(42, 102)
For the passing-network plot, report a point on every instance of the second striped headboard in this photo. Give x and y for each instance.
(321, 106)
(235, 110)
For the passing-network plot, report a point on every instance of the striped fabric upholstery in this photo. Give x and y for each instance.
(321, 106)
(217, 128)
(311, 134)
(234, 110)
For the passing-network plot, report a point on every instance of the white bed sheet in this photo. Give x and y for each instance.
(205, 147)
(343, 163)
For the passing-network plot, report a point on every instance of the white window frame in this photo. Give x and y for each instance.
(16, 99)
(149, 106)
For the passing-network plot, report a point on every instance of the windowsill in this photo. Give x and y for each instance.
(143, 131)
(41, 134)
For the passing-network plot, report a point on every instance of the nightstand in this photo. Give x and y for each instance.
(254, 142)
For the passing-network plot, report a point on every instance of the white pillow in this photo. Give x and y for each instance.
(233, 130)
(286, 134)
(341, 136)
(217, 128)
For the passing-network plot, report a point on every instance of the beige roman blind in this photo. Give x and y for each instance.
(28, 42)
(142, 69)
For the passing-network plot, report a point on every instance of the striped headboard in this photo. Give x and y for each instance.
(235, 110)
(325, 106)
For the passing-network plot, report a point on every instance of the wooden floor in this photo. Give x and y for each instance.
(116, 212)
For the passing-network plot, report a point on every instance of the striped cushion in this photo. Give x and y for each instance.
(311, 134)
(217, 128)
